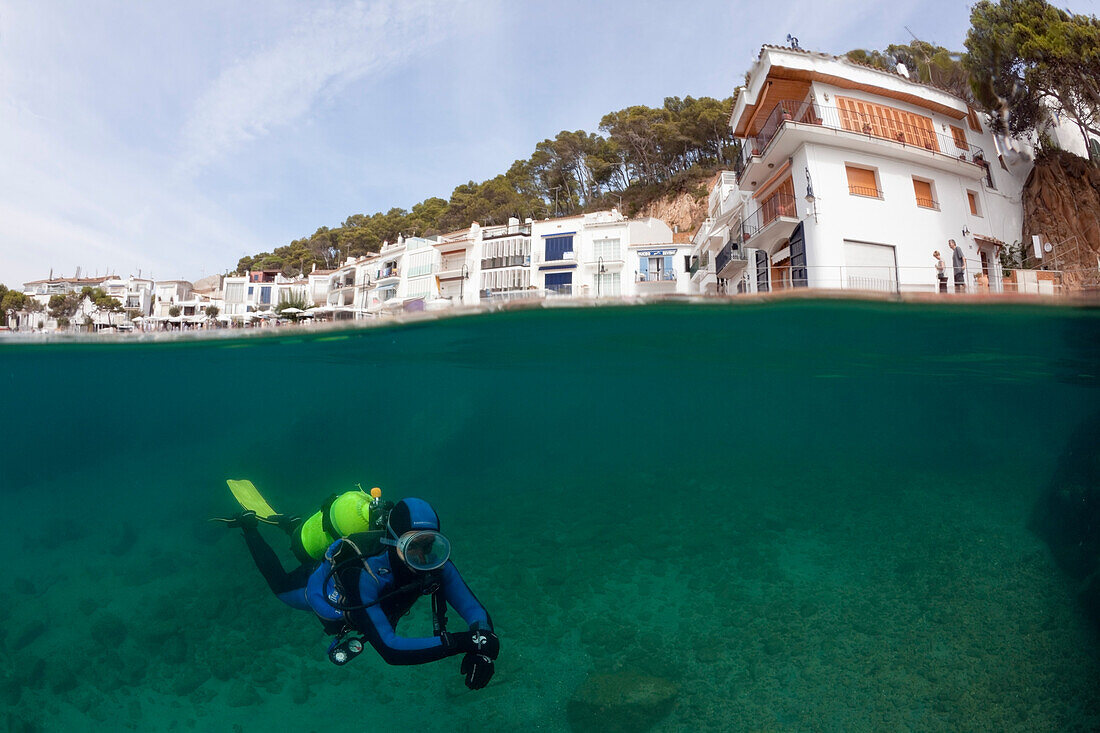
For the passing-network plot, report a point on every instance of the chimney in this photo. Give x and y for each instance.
(513, 225)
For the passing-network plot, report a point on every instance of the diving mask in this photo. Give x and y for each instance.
(421, 550)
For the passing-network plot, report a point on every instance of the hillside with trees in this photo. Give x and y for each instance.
(640, 155)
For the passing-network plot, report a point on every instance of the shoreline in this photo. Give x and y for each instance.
(984, 300)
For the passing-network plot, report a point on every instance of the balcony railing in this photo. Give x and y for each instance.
(732, 251)
(498, 231)
(775, 206)
(653, 277)
(876, 126)
(489, 263)
(868, 191)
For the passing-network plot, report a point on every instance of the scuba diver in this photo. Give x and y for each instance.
(366, 581)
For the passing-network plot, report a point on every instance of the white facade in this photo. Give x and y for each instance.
(259, 291)
(43, 290)
(717, 255)
(604, 254)
(134, 293)
(169, 294)
(856, 175)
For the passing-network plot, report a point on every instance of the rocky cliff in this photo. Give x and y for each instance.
(685, 208)
(1062, 205)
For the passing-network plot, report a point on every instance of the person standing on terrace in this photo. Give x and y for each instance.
(958, 262)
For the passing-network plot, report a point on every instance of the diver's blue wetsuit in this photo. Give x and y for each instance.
(301, 589)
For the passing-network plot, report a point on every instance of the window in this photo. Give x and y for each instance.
(510, 279)
(960, 138)
(975, 205)
(420, 263)
(556, 247)
(420, 288)
(608, 284)
(606, 248)
(972, 119)
(886, 122)
(862, 182)
(988, 173)
(265, 295)
(560, 283)
(234, 293)
(923, 191)
(250, 290)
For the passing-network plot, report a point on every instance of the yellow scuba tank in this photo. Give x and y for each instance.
(346, 514)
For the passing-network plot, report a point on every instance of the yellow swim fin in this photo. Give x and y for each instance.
(249, 497)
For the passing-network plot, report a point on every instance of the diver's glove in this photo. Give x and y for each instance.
(478, 641)
(477, 669)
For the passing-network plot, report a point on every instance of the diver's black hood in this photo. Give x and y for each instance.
(408, 515)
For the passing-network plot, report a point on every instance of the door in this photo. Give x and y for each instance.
(559, 282)
(761, 271)
(799, 275)
(871, 266)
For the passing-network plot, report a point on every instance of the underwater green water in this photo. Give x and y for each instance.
(793, 516)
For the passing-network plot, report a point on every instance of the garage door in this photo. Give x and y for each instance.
(870, 266)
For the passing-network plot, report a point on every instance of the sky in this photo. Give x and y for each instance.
(171, 139)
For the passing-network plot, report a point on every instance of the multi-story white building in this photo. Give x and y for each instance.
(856, 175)
(169, 294)
(319, 283)
(134, 293)
(717, 257)
(43, 290)
(261, 290)
(604, 254)
(500, 262)
(382, 278)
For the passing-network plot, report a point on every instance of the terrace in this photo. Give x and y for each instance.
(908, 136)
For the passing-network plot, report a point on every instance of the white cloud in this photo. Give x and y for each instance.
(329, 49)
(86, 176)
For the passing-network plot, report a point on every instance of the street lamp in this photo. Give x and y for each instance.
(600, 270)
(462, 285)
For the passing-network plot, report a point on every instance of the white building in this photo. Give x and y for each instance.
(261, 290)
(134, 293)
(319, 283)
(43, 290)
(717, 257)
(604, 254)
(856, 175)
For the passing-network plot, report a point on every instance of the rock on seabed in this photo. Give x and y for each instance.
(620, 702)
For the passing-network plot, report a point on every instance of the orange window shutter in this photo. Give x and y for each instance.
(972, 118)
(923, 191)
(973, 201)
(861, 181)
(960, 137)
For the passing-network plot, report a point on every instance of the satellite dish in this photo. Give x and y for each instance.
(1047, 247)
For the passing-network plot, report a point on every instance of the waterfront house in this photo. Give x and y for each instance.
(43, 290)
(604, 254)
(501, 262)
(260, 290)
(170, 294)
(133, 293)
(856, 175)
(717, 255)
